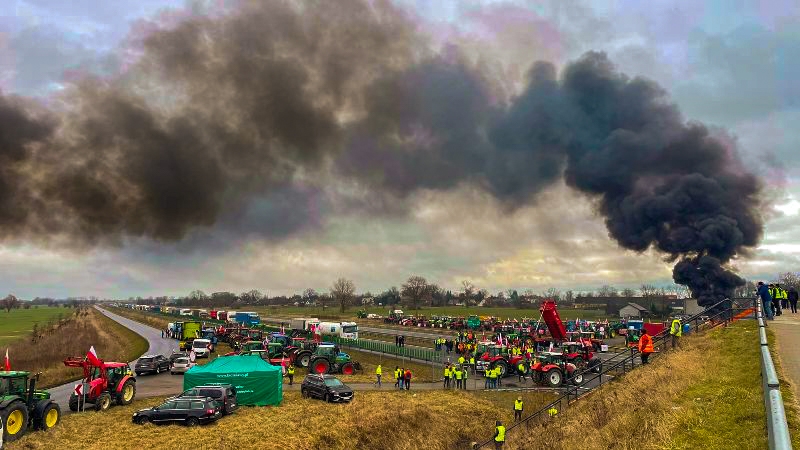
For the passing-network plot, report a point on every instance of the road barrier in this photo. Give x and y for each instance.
(422, 354)
(777, 427)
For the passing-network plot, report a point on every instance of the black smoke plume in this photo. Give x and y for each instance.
(223, 111)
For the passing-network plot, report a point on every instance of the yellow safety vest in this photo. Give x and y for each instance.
(492, 373)
(552, 411)
(378, 370)
(290, 371)
(458, 374)
(398, 373)
(501, 434)
(518, 405)
(521, 368)
(461, 360)
(472, 361)
(676, 328)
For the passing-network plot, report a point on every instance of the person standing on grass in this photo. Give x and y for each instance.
(766, 300)
(792, 294)
(446, 376)
(518, 409)
(645, 345)
(499, 435)
(408, 379)
(459, 377)
(378, 373)
(397, 377)
(675, 330)
(290, 373)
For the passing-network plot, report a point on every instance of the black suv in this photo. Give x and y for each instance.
(224, 395)
(191, 411)
(326, 387)
(151, 364)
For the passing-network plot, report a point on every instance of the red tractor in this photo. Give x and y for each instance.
(552, 369)
(496, 356)
(105, 383)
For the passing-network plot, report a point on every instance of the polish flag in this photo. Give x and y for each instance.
(7, 362)
(92, 357)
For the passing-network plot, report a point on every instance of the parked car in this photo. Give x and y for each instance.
(151, 364)
(326, 387)
(190, 411)
(201, 347)
(181, 365)
(177, 354)
(224, 395)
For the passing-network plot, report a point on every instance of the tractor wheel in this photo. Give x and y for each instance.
(73, 403)
(347, 368)
(327, 398)
(320, 365)
(192, 422)
(15, 421)
(48, 414)
(303, 359)
(503, 368)
(158, 370)
(554, 377)
(127, 393)
(103, 402)
(577, 377)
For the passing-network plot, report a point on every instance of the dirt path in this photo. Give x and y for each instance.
(787, 336)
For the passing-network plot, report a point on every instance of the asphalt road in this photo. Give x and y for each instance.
(146, 385)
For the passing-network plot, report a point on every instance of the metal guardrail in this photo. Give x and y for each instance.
(389, 348)
(777, 427)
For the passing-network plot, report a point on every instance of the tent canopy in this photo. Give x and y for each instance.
(257, 382)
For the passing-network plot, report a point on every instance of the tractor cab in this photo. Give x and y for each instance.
(22, 407)
(275, 349)
(13, 383)
(252, 345)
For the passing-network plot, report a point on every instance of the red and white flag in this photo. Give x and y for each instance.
(7, 362)
(92, 357)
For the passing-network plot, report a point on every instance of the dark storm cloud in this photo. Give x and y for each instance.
(222, 114)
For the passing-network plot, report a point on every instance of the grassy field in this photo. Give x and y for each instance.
(72, 336)
(19, 322)
(388, 420)
(706, 395)
(455, 311)
(154, 320)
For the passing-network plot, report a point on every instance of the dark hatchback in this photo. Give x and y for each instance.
(224, 395)
(326, 387)
(190, 411)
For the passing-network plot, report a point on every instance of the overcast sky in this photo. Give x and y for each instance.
(732, 64)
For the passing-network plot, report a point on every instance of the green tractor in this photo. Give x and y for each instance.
(23, 407)
(361, 314)
(328, 359)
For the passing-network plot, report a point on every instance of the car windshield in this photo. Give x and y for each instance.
(196, 344)
(182, 361)
(145, 360)
(333, 382)
(350, 329)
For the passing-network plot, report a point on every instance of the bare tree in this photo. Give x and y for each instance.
(569, 296)
(469, 290)
(789, 279)
(416, 289)
(627, 292)
(310, 295)
(252, 296)
(648, 290)
(198, 295)
(552, 293)
(607, 291)
(10, 302)
(342, 291)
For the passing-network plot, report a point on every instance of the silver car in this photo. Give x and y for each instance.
(181, 365)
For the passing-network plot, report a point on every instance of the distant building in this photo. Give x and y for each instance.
(633, 310)
(690, 306)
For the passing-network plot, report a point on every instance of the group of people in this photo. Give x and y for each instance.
(402, 377)
(774, 299)
(455, 376)
(400, 341)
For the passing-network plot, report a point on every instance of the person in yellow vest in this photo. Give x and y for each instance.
(675, 330)
(461, 359)
(498, 376)
(378, 373)
(518, 409)
(499, 435)
(523, 370)
(472, 363)
(552, 412)
(487, 380)
(290, 373)
(398, 375)
(493, 376)
(446, 376)
(457, 373)
(464, 378)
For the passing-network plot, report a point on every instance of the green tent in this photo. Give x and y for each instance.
(257, 382)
